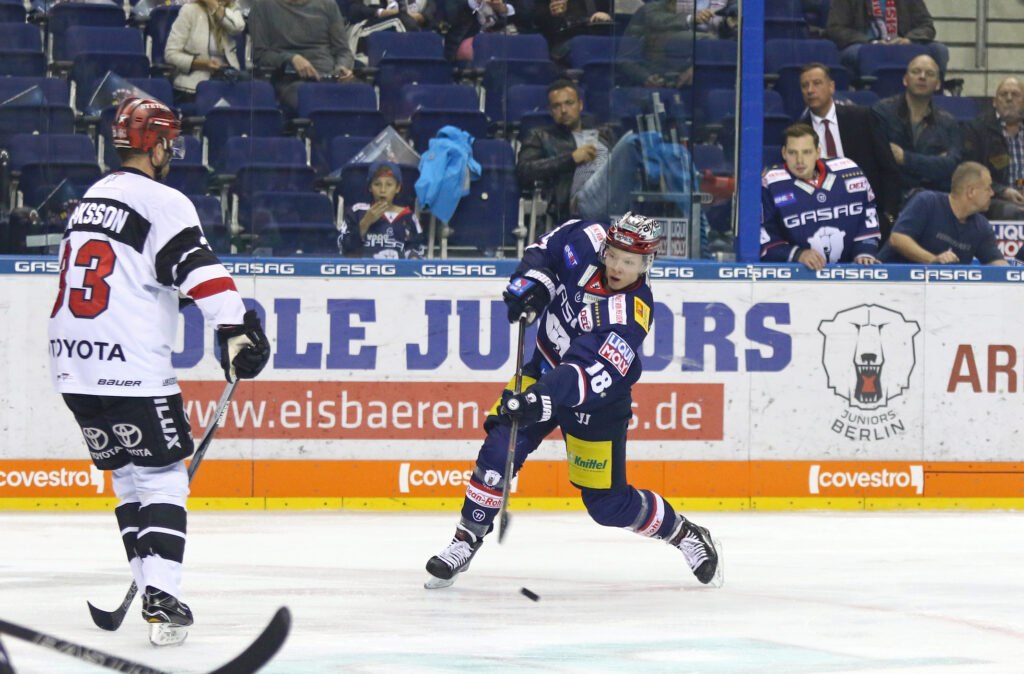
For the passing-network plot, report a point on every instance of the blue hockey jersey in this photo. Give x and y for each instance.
(588, 337)
(393, 236)
(835, 215)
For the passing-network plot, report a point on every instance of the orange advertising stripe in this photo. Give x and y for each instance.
(404, 410)
(825, 482)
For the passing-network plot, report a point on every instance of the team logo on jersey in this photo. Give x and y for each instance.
(128, 435)
(642, 313)
(868, 357)
(859, 184)
(617, 309)
(570, 256)
(829, 242)
(586, 318)
(784, 199)
(821, 197)
(617, 351)
(96, 438)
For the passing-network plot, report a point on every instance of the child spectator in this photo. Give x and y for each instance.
(382, 229)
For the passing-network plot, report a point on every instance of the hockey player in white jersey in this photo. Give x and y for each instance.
(130, 247)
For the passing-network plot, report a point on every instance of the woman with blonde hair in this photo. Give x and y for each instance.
(201, 42)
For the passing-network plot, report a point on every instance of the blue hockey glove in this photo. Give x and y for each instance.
(532, 406)
(244, 349)
(529, 294)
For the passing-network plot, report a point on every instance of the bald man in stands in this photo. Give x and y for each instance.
(940, 228)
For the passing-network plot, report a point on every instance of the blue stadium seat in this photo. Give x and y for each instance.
(158, 27)
(12, 11)
(63, 16)
(41, 162)
(268, 164)
(494, 153)
(95, 50)
(485, 218)
(337, 110)
(715, 63)
(431, 106)
(964, 108)
(341, 149)
(587, 49)
(786, 58)
(21, 50)
(290, 223)
(251, 111)
(38, 118)
(51, 90)
(887, 64)
(526, 107)
(771, 155)
(386, 45)
(211, 217)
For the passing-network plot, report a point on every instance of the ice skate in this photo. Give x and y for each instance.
(453, 560)
(700, 550)
(168, 618)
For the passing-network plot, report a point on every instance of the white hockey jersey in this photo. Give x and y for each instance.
(129, 247)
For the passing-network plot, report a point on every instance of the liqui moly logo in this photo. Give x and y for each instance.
(819, 481)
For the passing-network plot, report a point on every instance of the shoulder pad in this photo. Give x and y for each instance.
(596, 234)
(774, 175)
(841, 163)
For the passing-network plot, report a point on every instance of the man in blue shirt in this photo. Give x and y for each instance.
(939, 228)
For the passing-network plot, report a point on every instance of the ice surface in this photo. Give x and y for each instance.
(934, 592)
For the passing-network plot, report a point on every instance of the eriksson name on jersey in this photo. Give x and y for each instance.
(106, 216)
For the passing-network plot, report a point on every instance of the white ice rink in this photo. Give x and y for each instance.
(804, 592)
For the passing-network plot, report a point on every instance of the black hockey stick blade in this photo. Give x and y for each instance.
(250, 660)
(5, 661)
(267, 644)
(111, 620)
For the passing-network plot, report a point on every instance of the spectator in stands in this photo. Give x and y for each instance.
(382, 229)
(561, 20)
(562, 157)
(413, 16)
(816, 211)
(852, 23)
(939, 228)
(996, 140)
(469, 17)
(924, 139)
(201, 42)
(666, 36)
(850, 131)
(299, 40)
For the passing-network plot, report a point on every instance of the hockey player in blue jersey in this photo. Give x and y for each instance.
(816, 211)
(587, 283)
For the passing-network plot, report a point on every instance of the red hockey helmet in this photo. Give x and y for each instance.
(141, 123)
(635, 233)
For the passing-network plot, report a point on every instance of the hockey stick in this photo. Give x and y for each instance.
(5, 661)
(111, 620)
(510, 457)
(250, 660)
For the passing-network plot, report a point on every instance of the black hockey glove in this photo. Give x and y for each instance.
(529, 294)
(532, 406)
(244, 349)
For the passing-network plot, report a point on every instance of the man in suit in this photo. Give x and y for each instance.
(848, 131)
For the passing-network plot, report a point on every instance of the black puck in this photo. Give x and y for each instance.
(529, 594)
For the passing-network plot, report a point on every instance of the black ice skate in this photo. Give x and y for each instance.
(453, 560)
(700, 550)
(168, 618)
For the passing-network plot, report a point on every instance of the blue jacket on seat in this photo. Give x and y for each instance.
(446, 169)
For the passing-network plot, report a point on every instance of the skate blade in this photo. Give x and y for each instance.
(167, 634)
(435, 583)
(719, 578)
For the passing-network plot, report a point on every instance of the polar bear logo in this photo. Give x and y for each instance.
(829, 242)
(868, 354)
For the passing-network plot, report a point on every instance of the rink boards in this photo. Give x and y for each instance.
(764, 386)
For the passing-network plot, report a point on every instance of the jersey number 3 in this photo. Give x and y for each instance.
(91, 299)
